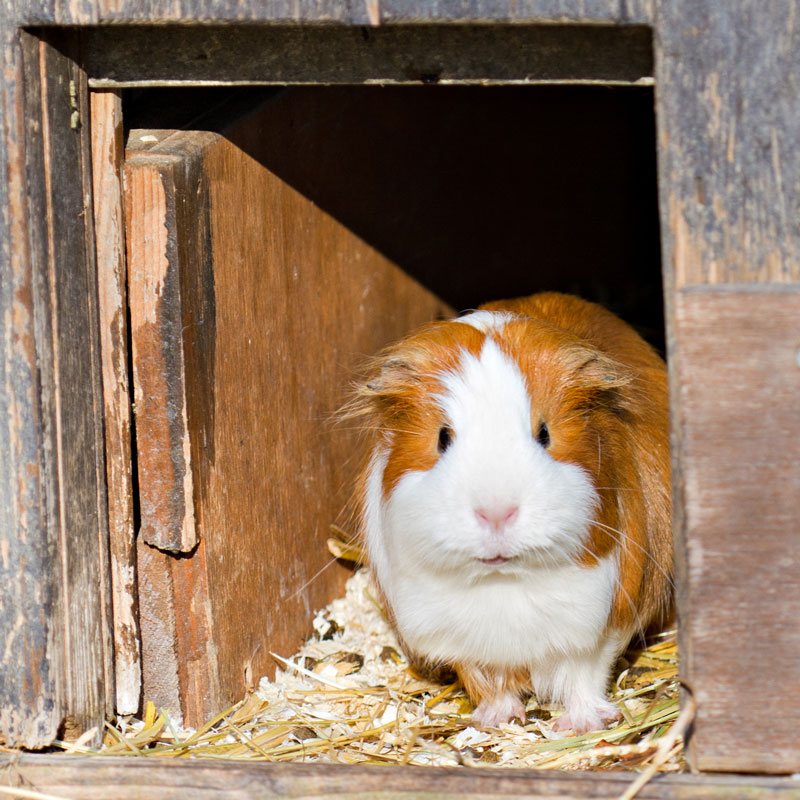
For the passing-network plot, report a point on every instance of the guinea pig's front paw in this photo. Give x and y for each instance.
(584, 718)
(493, 711)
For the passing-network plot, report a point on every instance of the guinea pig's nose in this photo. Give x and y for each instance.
(497, 517)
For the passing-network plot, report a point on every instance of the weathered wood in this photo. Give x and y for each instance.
(370, 12)
(30, 665)
(277, 302)
(120, 56)
(728, 109)
(729, 114)
(142, 778)
(57, 651)
(78, 407)
(156, 317)
(109, 224)
(179, 662)
(738, 382)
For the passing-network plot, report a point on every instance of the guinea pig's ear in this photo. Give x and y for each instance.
(389, 376)
(596, 370)
(391, 383)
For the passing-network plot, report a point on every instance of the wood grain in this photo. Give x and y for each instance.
(207, 55)
(57, 666)
(369, 12)
(728, 114)
(171, 779)
(77, 383)
(109, 224)
(279, 303)
(30, 663)
(730, 196)
(737, 378)
(165, 482)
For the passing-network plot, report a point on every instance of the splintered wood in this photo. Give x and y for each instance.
(350, 696)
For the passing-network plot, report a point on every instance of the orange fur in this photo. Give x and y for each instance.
(486, 682)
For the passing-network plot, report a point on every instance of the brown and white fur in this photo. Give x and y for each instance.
(516, 501)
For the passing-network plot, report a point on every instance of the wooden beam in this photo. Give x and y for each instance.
(98, 778)
(208, 55)
(165, 484)
(737, 382)
(57, 664)
(78, 454)
(328, 12)
(107, 155)
(728, 110)
(30, 701)
(728, 117)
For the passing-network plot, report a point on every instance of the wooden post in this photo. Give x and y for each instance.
(107, 155)
(55, 659)
(729, 121)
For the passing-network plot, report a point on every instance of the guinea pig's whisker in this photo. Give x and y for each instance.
(628, 540)
(312, 578)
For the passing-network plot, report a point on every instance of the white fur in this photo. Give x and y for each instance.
(486, 321)
(540, 610)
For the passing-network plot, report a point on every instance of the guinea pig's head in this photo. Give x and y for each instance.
(488, 439)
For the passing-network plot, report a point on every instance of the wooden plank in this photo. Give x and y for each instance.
(57, 650)
(370, 12)
(156, 317)
(76, 383)
(120, 56)
(730, 197)
(107, 155)
(738, 382)
(728, 117)
(30, 699)
(275, 315)
(142, 778)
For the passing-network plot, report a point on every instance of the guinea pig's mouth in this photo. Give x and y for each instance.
(496, 560)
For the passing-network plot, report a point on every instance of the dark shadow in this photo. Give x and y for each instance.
(481, 192)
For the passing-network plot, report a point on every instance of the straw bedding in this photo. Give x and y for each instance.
(350, 696)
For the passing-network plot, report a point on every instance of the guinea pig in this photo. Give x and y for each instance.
(515, 503)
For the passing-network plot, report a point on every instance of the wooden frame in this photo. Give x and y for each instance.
(727, 119)
(139, 779)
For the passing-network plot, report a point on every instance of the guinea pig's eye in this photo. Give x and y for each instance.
(445, 438)
(543, 435)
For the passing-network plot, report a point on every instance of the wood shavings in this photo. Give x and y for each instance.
(350, 696)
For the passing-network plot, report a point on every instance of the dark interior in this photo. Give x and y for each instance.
(478, 192)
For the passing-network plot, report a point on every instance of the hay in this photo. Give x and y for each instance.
(349, 696)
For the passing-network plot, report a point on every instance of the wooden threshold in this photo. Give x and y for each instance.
(134, 778)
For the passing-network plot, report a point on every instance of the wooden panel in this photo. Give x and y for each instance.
(56, 661)
(107, 154)
(279, 303)
(78, 434)
(728, 119)
(30, 700)
(174, 779)
(370, 12)
(156, 317)
(119, 56)
(730, 198)
(737, 380)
